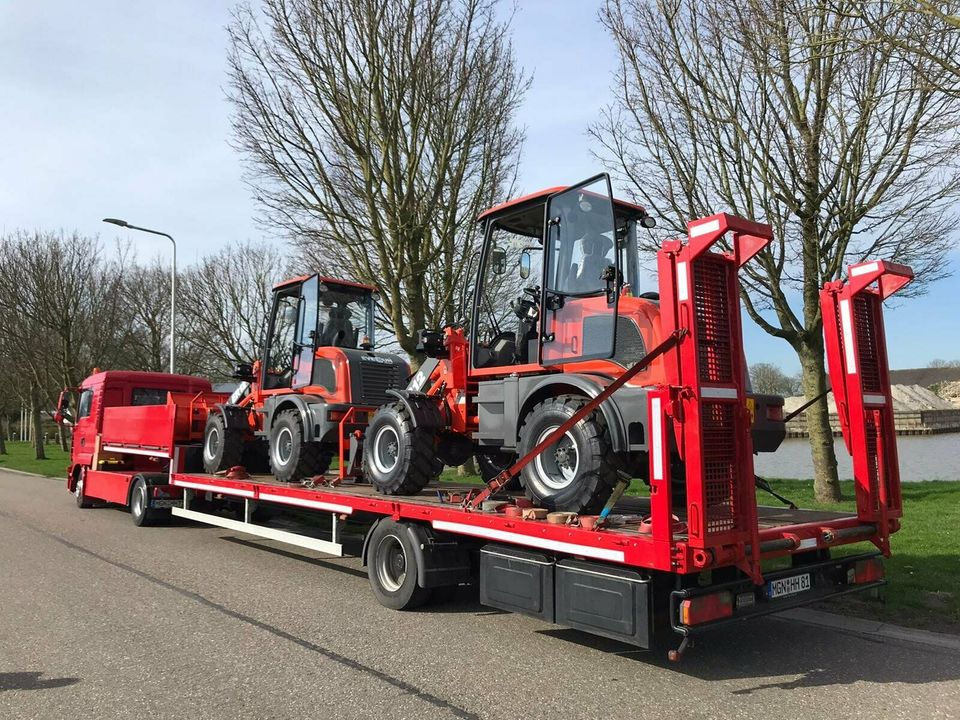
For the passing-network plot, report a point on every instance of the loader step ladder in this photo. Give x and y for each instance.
(860, 377)
(706, 392)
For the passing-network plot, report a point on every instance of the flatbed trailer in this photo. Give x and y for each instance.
(696, 553)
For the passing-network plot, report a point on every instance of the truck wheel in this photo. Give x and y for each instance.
(491, 465)
(398, 458)
(392, 567)
(140, 510)
(578, 472)
(222, 446)
(291, 458)
(78, 494)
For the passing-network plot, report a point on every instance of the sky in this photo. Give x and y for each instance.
(111, 109)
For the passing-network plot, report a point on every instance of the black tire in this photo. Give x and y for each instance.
(291, 458)
(222, 446)
(492, 464)
(78, 494)
(140, 511)
(392, 567)
(399, 459)
(577, 473)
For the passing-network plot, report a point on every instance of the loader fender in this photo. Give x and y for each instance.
(629, 402)
(234, 418)
(423, 410)
(312, 411)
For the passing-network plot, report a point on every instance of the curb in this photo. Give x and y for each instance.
(28, 474)
(873, 629)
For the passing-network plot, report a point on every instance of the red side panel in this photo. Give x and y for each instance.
(860, 378)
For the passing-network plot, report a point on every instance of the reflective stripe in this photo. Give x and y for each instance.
(847, 326)
(135, 451)
(683, 290)
(538, 542)
(864, 269)
(303, 502)
(213, 488)
(719, 392)
(874, 399)
(656, 438)
(704, 228)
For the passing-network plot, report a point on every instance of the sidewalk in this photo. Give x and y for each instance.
(870, 628)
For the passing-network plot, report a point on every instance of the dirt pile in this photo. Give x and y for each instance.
(906, 398)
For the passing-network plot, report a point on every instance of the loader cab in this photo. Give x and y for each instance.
(553, 269)
(309, 313)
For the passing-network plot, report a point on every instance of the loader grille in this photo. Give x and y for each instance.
(712, 312)
(375, 380)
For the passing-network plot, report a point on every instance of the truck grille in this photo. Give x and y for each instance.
(375, 380)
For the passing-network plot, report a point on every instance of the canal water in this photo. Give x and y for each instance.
(922, 457)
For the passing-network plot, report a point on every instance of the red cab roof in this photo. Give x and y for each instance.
(327, 280)
(540, 194)
(187, 383)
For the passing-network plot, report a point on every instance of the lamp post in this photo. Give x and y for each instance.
(173, 278)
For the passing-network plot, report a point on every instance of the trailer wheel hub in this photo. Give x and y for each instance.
(391, 563)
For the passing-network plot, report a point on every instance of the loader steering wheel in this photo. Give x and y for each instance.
(527, 308)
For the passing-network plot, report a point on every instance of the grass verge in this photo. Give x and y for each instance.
(20, 456)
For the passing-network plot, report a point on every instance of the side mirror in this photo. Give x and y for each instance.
(62, 415)
(524, 265)
(648, 222)
(498, 261)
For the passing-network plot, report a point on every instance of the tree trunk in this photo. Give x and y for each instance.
(826, 485)
(4, 424)
(36, 418)
(62, 437)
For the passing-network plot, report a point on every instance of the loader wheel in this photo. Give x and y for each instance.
(399, 459)
(491, 465)
(579, 471)
(291, 458)
(222, 446)
(392, 567)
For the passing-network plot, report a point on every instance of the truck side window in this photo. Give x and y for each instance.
(83, 407)
(149, 396)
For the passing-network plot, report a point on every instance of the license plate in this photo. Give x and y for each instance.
(792, 585)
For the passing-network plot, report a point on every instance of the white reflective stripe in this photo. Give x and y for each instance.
(303, 502)
(846, 326)
(135, 451)
(213, 488)
(719, 392)
(537, 542)
(864, 269)
(683, 290)
(807, 543)
(874, 399)
(656, 439)
(704, 228)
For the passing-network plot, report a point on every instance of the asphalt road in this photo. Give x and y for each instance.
(101, 619)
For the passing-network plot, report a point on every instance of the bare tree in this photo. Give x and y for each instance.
(788, 112)
(770, 379)
(225, 303)
(375, 133)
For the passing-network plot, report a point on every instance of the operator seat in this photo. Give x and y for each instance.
(339, 331)
(595, 261)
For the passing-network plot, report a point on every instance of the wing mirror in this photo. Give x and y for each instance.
(524, 265)
(498, 261)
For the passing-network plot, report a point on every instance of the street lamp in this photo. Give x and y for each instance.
(173, 276)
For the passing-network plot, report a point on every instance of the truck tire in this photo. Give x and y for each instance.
(222, 446)
(78, 494)
(140, 511)
(291, 458)
(399, 459)
(577, 473)
(392, 567)
(492, 464)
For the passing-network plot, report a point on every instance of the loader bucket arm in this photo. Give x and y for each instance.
(860, 377)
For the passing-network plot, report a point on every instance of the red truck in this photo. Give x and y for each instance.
(693, 552)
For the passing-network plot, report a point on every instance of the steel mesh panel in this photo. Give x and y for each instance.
(865, 309)
(873, 470)
(719, 466)
(712, 316)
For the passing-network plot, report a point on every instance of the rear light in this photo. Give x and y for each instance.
(775, 413)
(705, 608)
(866, 571)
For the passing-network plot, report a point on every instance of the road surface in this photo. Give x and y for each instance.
(101, 619)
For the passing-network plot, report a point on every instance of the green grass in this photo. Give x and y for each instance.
(20, 456)
(924, 569)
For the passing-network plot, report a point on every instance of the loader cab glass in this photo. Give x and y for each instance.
(506, 309)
